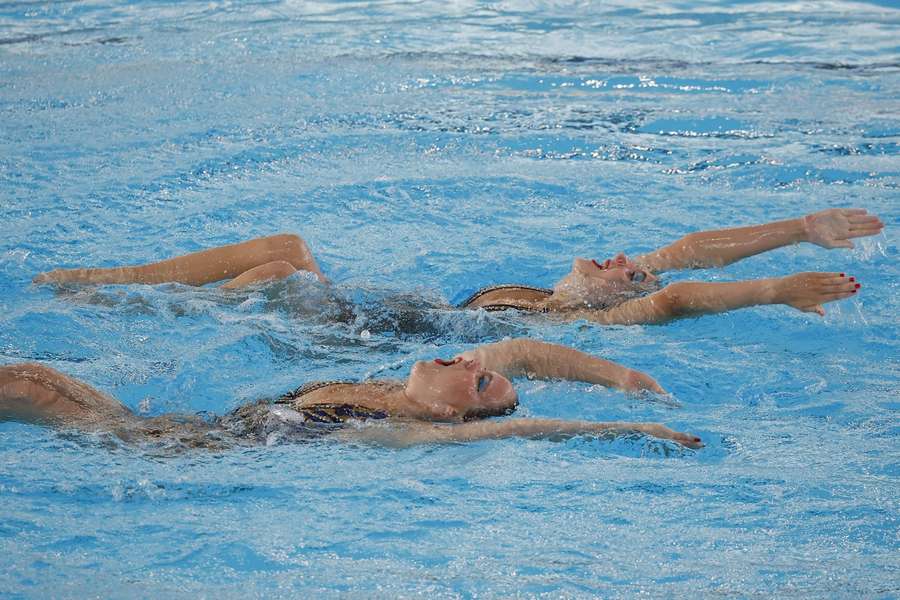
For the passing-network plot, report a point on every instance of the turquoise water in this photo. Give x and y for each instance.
(435, 147)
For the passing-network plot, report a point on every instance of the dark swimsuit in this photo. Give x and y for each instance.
(546, 292)
(271, 422)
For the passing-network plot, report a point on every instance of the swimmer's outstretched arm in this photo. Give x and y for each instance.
(34, 393)
(831, 228)
(526, 428)
(542, 360)
(806, 292)
(245, 263)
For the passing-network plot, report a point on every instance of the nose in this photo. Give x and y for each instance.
(621, 259)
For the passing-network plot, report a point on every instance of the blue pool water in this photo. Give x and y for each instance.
(434, 147)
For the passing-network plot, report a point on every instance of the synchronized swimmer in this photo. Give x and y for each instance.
(613, 291)
(441, 401)
(450, 400)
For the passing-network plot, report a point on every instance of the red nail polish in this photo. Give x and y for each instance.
(858, 286)
(852, 291)
(842, 274)
(853, 279)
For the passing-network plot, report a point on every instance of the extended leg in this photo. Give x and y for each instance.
(200, 268)
(278, 269)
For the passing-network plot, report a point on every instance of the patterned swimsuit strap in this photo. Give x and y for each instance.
(308, 388)
(507, 286)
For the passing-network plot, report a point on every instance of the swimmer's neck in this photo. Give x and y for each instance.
(397, 402)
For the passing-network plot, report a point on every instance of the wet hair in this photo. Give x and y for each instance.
(486, 413)
(610, 298)
(637, 290)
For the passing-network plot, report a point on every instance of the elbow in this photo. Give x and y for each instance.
(672, 301)
(698, 251)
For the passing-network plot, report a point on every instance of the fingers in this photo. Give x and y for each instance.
(862, 219)
(830, 289)
(850, 212)
(686, 439)
(833, 280)
(661, 431)
(820, 277)
(865, 230)
(862, 224)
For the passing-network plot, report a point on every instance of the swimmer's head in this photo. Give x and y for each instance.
(459, 389)
(592, 284)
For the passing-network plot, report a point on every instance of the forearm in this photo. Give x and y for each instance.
(543, 360)
(722, 247)
(692, 298)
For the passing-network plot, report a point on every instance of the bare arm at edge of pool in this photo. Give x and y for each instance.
(831, 228)
(806, 292)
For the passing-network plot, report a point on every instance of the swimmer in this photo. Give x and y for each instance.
(618, 290)
(441, 401)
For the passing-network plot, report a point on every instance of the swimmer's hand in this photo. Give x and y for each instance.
(637, 381)
(662, 432)
(54, 276)
(833, 228)
(807, 292)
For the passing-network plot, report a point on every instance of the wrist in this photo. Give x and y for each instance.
(772, 290)
(632, 380)
(804, 228)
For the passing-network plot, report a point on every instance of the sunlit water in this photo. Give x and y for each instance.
(434, 147)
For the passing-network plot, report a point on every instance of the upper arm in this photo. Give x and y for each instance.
(34, 392)
(506, 357)
(657, 307)
(668, 258)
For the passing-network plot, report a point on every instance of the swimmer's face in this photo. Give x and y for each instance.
(593, 284)
(460, 388)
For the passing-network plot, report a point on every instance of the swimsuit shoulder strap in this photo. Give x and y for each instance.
(308, 388)
(494, 288)
(498, 306)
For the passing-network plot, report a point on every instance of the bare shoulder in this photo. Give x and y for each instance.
(373, 395)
